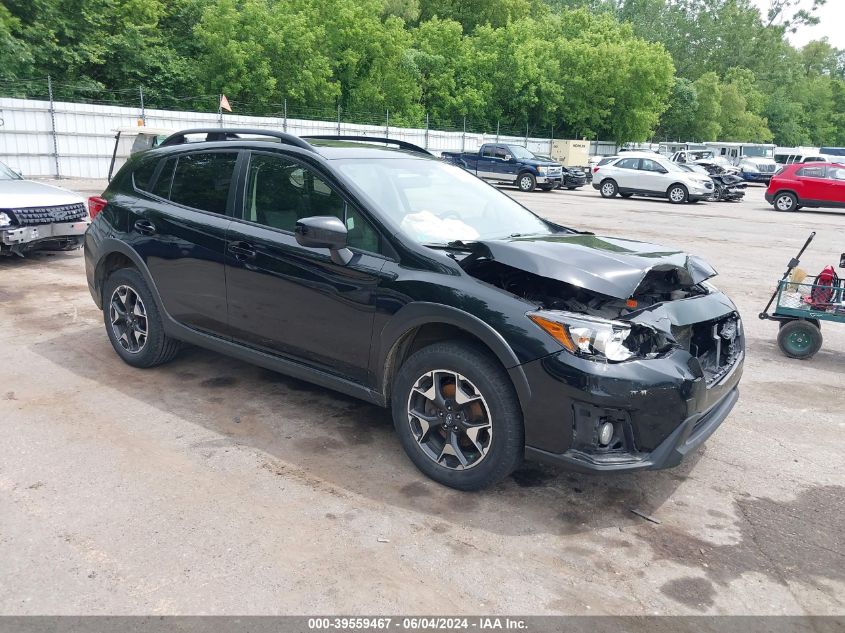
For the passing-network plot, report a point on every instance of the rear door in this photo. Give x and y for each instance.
(294, 301)
(626, 175)
(179, 230)
(487, 162)
(815, 185)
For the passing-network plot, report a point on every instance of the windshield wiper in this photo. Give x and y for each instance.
(457, 244)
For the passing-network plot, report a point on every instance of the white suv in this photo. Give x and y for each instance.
(650, 175)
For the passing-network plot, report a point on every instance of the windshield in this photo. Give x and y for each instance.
(762, 152)
(436, 203)
(7, 174)
(520, 152)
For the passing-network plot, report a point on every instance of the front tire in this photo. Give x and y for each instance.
(677, 194)
(457, 415)
(526, 182)
(133, 321)
(786, 202)
(608, 189)
(799, 339)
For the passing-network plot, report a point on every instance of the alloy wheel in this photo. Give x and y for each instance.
(784, 203)
(450, 419)
(677, 194)
(525, 183)
(607, 189)
(128, 319)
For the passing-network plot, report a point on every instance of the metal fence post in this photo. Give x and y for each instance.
(338, 119)
(143, 111)
(552, 140)
(497, 131)
(526, 134)
(285, 124)
(387, 123)
(426, 130)
(464, 136)
(53, 125)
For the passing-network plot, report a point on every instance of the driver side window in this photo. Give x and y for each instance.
(280, 192)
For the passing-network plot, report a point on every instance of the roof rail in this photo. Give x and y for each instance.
(231, 133)
(372, 139)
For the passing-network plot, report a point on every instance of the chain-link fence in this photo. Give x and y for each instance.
(67, 130)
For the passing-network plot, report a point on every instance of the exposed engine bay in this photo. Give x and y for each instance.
(657, 286)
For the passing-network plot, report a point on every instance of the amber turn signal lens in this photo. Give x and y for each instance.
(556, 330)
(631, 303)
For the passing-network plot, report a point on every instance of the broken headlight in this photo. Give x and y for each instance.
(5, 220)
(598, 339)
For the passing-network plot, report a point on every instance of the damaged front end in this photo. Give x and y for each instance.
(651, 353)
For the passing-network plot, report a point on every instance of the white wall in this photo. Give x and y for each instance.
(84, 134)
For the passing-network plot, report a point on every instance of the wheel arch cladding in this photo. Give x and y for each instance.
(420, 324)
(117, 255)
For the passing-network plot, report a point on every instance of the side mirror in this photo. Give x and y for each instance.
(508, 158)
(663, 170)
(324, 231)
(842, 261)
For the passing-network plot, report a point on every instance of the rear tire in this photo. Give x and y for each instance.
(484, 410)
(608, 189)
(786, 202)
(133, 321)
(799, 339)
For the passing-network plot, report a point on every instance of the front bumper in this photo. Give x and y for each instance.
(570, 180)
(755, 176)
(661, 409)
(18, 238)
(548, 178)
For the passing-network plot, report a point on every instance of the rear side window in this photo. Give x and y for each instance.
(628, 163)
(812, 172)
(143, 174)
(202, 181)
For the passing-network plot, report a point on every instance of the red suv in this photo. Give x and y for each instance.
(807, 185)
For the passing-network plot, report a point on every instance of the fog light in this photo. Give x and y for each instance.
(605, 433)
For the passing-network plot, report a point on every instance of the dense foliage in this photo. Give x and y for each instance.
(624, 70)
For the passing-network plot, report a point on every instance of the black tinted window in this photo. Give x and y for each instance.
(812, 172)
(281, 191)
(161, 188)
(143, 174)
(201, 181)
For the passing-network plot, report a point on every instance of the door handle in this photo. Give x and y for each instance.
(145, 227)
(241, 250)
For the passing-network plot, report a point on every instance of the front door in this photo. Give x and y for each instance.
(294, 301)
(179, 230)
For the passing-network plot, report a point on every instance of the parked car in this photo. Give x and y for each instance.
(388, 275)
(37, 216)
(509, 164)
(807, 185)
(570, 177)
(650, 175)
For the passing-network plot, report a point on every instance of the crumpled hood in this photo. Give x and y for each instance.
(17, 194)
(607, 265)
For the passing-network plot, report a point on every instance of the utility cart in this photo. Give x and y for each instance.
(801, 304)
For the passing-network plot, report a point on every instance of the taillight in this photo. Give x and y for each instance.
(95, 205)
(595, 169)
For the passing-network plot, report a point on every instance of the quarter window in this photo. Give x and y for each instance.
(143, 174)
(202, 181)
(281, 191)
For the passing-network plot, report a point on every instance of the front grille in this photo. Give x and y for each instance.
(767, 169)
(33, 216)
(716, 345)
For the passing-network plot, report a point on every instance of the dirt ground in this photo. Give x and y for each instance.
(208, 486)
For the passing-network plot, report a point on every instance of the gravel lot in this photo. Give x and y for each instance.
(211, 486)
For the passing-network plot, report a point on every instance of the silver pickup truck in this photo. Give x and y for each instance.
(35, 216)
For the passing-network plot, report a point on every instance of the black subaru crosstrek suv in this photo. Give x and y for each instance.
(372, 268)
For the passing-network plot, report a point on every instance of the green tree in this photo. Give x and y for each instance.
(707, 123)
(679, 120)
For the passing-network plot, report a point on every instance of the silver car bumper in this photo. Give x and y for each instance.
(16, 236)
